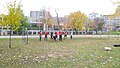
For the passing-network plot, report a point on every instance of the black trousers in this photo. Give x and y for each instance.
(40, 38)
(45, 38)
(51, 37)
(54, 37)
(70, 36)
(60, 37)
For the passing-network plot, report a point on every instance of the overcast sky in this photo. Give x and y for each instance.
(64, 7)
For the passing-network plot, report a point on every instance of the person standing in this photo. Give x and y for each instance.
(54, 36)
(40, 34)
(71, 33)
(65, 35)
(46, 34)
(51, 36)
(60, 35)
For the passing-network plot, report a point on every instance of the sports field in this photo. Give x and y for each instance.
(75, 53)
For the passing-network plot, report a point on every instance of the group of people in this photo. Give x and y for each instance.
(54, 36)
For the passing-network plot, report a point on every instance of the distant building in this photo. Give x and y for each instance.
(38, 19)
(111, 22)
(3, 29)
(36, 14)
(117, 20)
(93, 15)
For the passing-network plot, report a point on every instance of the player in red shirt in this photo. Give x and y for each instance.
(56, 35)
(65, 35)
(46, 34)
(60, 35)
(40, 34)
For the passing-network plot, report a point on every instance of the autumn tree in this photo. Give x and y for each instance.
(90, 24)
(13, 18)
(77, 20)
(46, 19)
(117, 11)
(50, 20)
(99, 23)
(96, 24)
(3, 20)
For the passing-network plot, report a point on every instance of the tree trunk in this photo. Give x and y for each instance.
(96, 32)
(10, 38)
(27, 36)
(17, 32)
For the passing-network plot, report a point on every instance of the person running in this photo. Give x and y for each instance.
(46, 34)
(40, 34)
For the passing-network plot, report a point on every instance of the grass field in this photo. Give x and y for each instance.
(75, 53)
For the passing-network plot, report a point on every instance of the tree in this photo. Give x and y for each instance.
(44, 19)
(50, 20)
(99, 22)
(2, 20)
(24, 23)
(117, 11)
(47, 19)
(90, 24)
(77, 20)
(13, 18)
(96, 24)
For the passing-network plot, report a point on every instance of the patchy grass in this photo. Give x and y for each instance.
(76, 53)
(112, 33)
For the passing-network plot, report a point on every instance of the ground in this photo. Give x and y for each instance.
(75, 53)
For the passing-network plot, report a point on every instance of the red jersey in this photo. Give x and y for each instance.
(60, 33)
(46, 33)
(40, 33)
(55, 33)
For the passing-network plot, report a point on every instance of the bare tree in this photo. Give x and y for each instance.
(57, 19)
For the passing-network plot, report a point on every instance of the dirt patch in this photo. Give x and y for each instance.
(54, 55)
(57, 55)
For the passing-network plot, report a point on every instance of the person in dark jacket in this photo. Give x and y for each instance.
(51, 35)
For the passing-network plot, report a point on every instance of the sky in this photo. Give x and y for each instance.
(64, 7)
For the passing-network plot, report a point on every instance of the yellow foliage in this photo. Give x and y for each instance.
(14, 15)
(117, 11)
(77, 20)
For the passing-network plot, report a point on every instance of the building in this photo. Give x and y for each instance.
(111, 22)
(117, 24)
(38, 20)
(93, 15)
(3, 29)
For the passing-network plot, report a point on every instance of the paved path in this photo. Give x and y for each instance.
(84, 36)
